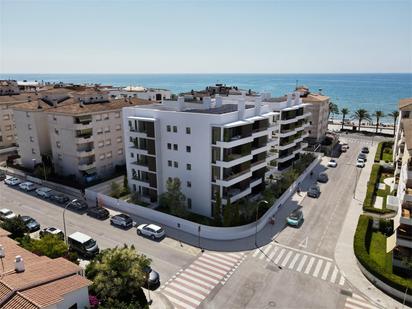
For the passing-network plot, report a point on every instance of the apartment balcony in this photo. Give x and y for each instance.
(234, 178)
(288, 121)
(289, 156)
(143, 182)
(237, 194)
(235, 160)
(259, 149)
(83, 126)
(408, 195)
(288, 145)
(87, 166)
(259, 133)
(404, 236)
(235, 141)
(406, 213)
(86, 153)
(255, 182)
(274, 141)
(287, 133)
(258, 165)
(399, 256)
(82, 139)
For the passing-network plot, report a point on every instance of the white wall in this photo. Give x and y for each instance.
(79, 297)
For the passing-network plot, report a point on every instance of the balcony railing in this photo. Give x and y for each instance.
(233, 176)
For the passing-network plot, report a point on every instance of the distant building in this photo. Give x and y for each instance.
(31, 281)
(138, 92)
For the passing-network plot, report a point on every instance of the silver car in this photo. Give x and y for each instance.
(43, 192)
(151, 230)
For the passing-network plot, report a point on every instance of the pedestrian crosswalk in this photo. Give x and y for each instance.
(300, 261)
(358, 302)
(190, 286)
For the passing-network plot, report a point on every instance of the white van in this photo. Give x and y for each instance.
(83, 244)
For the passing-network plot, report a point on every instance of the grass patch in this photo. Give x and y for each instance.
(384, 152)
(387, 157)
(372, 191)
(377, 251)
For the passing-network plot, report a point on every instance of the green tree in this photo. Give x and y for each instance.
(378, 115)
(115, 190)
(118, 276)
(49, 245)
(344, 112)
(126, 184)
(40, 170)
(118, 304)
(333, 109)
(394, 115)
(15, 226)
(217, 210)
(173, 198)
(227, 213)
(360, 115)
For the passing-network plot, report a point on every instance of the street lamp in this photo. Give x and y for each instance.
(44, 168)
(64, 222)
(198, 230)
(357, 179)
(257, 214)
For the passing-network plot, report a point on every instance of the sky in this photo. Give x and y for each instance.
(199, 36)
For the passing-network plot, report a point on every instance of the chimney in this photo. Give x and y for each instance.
(218, 101)
(180, 103)
(258, 105)
(81, 103)
(19, 264)
(207, 102)
(241, 106)
(2, 253)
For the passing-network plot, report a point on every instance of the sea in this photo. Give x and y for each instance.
(369, 91)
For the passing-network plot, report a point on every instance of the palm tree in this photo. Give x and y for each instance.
(361, 114)
(378, 115)
(333, 109)
(394, 115)
(344, 112)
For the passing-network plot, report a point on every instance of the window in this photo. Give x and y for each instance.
(131, 155)
(6, 117)
(31, 139)
(100, 144)
(107, 130)
(54, 118)
(119, 139)
(9, 137)
(189, 167)
(120, 151)
(108, 142)
(102, 156)
(118, 127)
(168, 128)
(187, 130)
(33, 151)
(176, 164)
(29, 126)
(58, 144)
(310, 122)
(27, 114)
(109, 155)
(169, 163)
(98, 117)
(8, 127)
(59, 156)
(117, 115)
(188, 149)
(56, 131)
(99, 131)
(175, 147)
(169, 146)
(105, 116)
(189, 184)
(189, 203)
(175, 129)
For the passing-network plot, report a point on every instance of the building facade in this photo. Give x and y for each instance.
(210, 146)
(151, 94)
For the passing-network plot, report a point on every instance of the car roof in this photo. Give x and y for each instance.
(53, 230)
(296, 212)
(154, 227)
(124, 216)
(45, 189)
(80, 237)
(5, 210)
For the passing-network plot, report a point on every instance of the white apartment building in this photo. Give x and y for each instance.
(210, 146)
(403, 172)
(80, 131)
(139, 92)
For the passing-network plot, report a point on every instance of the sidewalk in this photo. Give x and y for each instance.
(159, 301)
(345, 256)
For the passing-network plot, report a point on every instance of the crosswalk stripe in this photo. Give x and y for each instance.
(334, 274)
(206, 277)
(326, 270)
(235, 255)
(295, 259)
(183, 297)
(266, 251)
(279, 256)
(205, 271)
(272, 254)
(342, 280)
(174, 300)
(224, 258)
(192, 278)
(317, 268)
(302, 263)
(286, 259)
(363, 304)
(193, 285)
(257, 251)
(210, 268)
(217, 259)
(307, 270)
(182, 289)
(215, 264)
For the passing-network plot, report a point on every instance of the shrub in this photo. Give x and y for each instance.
(378, 153)
(361, 249)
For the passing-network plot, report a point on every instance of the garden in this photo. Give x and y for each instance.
(384, 152)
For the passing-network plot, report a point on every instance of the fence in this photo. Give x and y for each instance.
(209, 232)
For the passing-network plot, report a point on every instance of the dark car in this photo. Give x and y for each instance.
(78, 205)
(314, 191)
(152, 277)
(59, 198)
(362, 156)
(2, 175)
(98, 213)
(52, 231)
(121, 220)
(365, 150)
(31, 224)
(323, 178)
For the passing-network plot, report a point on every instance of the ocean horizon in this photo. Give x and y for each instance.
(371, 91)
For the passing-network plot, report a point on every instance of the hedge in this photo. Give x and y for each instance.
(378, 153)
(371, 191)
(361, 248)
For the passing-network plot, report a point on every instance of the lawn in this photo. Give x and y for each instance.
(377, 251)
(387, 157)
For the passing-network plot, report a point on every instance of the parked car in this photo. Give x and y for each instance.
(295, 218)
(13, 181)
(152, 279)
(314, 191)
(362, 156)
(83, 244)
(27, 186)
(98, 213)
(31, 224)
(6, 214)
(2, 175)
(323, 178)
(332, 163)
(365, 150)
(44, 192)
(121, 220)
(151, 230)
(78, 205)
(360, 163)
(59, 198)
(51, 231)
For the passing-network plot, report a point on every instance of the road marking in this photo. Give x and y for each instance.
(272, 254)
(202, 276)
(257, 251)
(279, 256)
(295, 259)
(317, 269)
(358, 302)
(191, 301)
(305, 252)
(307, 270)
(225, 258)
(266, 251)
(302, 262)
(178, 302)
(182, 289)
(195, 286)
(334, 274)
(326, 270)
(304, 243)
(210, 268)
(205, 271)
(287, 257)
(217, 259)
(214, 263)
(197, 281)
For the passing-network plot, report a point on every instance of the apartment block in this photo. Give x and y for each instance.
(151, 94)
(403, 173)
(210, 146)
(81, 132)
